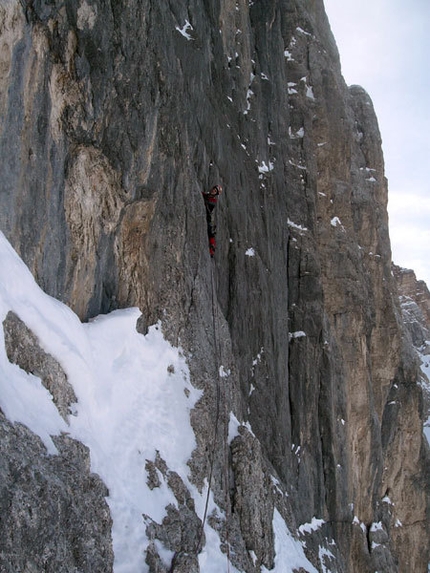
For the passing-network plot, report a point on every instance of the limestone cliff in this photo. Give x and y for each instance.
(114, 116)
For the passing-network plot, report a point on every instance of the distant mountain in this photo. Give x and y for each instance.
(414, 299)
(415, 303)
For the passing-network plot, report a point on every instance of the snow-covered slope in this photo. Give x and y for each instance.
(134, 398)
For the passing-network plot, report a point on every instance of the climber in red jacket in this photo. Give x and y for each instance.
(211, 197)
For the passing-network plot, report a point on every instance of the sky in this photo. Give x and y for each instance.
(134, 399)
(384, 46)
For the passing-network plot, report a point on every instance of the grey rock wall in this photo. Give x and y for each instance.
(114, 116)
(54, 516)
(23, 349)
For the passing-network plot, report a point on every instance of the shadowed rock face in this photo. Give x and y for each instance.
(113, 118)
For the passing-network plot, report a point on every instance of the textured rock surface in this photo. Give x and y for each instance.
(414, 299)
(45, 520)
(181, 529)
(23, 349)
(54, 517)
(111, 123)
(415, 305)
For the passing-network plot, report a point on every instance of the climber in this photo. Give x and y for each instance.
(211, 197)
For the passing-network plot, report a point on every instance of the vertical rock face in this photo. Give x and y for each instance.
(113, 118)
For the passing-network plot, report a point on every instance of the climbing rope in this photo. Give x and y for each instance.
(215, 437)
(221, 397)
(224, 400)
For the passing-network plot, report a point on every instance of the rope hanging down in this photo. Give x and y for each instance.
(218, 396)
(198, 547)
(216, 430)
(210, 198)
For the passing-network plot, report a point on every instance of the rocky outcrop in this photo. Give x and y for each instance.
(113, 118)
(414, 300)
(415, 304)
(23, 349)
(54, 514)
(181, 530)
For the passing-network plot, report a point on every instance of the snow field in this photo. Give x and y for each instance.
(134, 398)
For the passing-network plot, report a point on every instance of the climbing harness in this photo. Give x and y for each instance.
(210, 199)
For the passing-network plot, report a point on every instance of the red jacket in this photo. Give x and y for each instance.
(210, 198)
